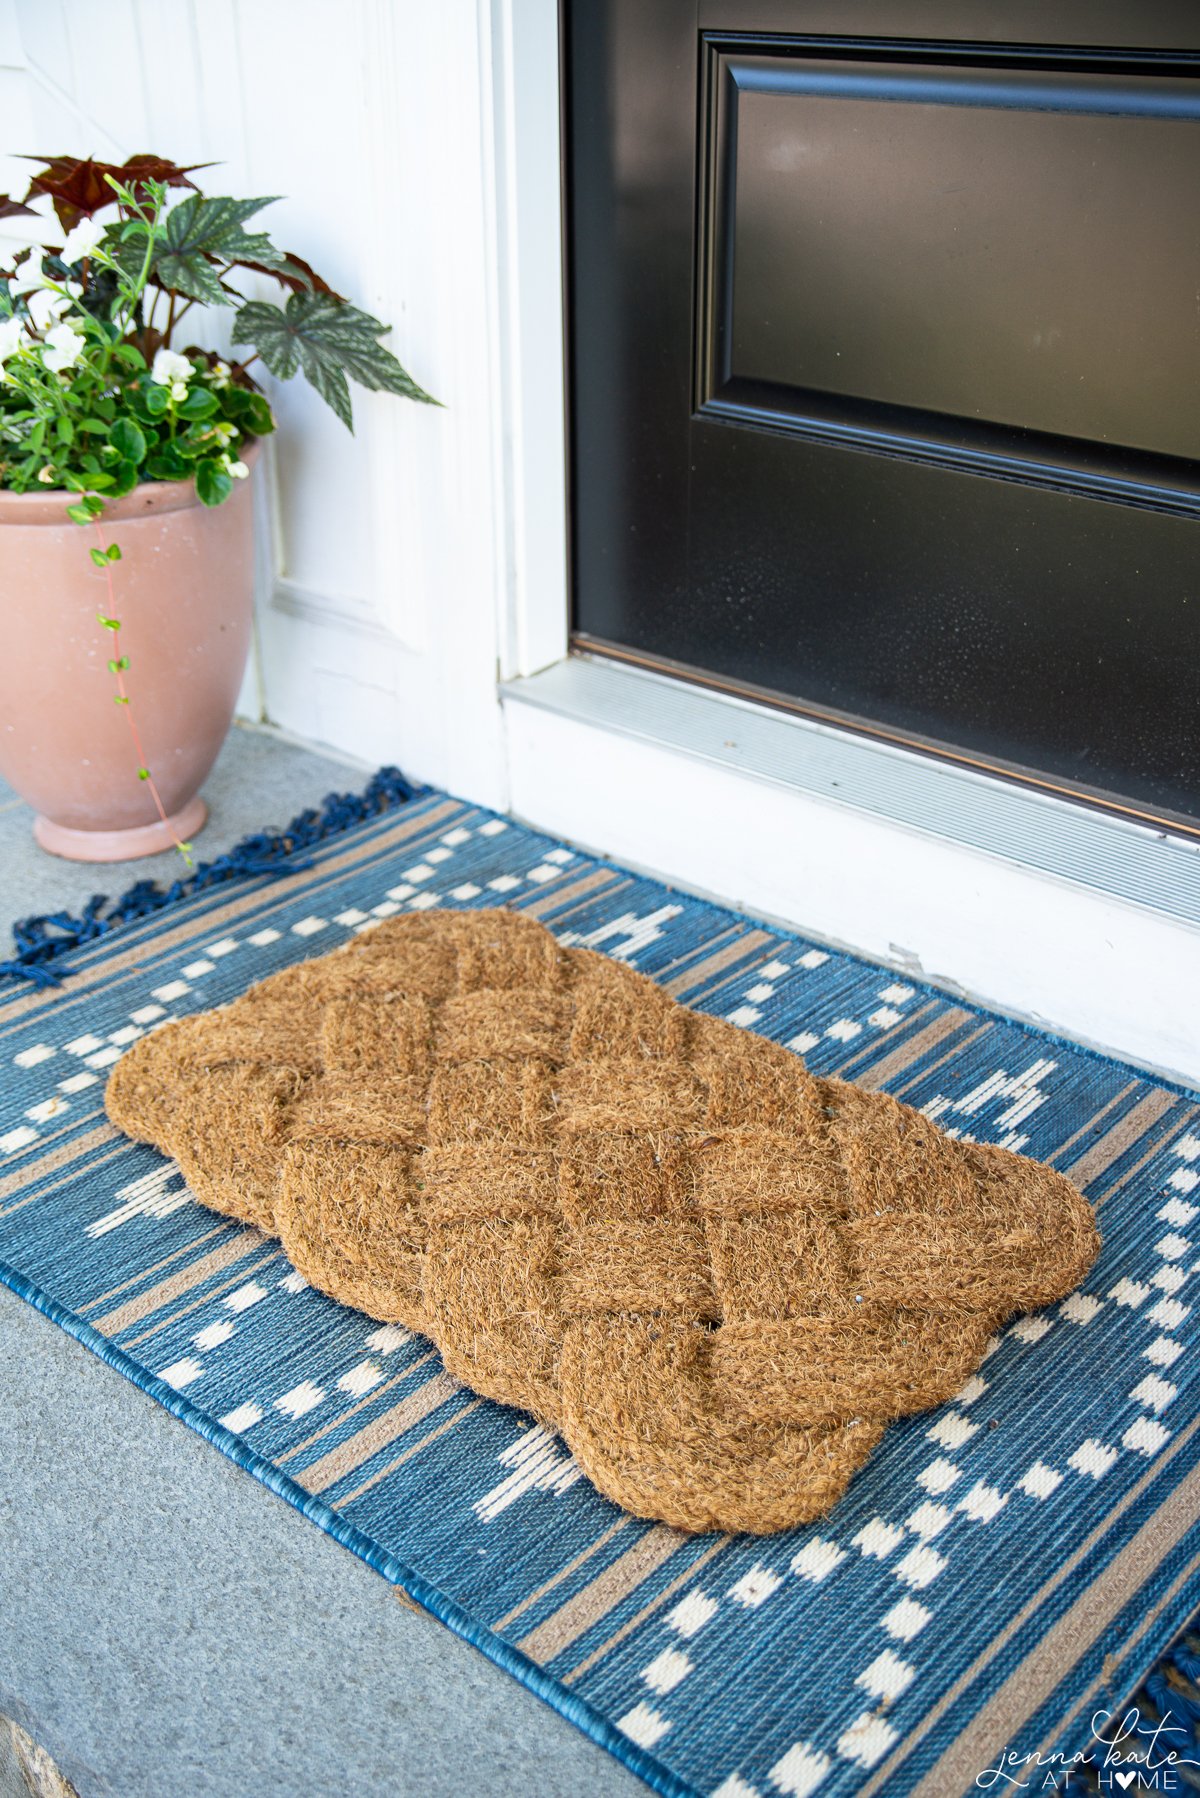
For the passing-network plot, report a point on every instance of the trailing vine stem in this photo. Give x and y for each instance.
(104, 558)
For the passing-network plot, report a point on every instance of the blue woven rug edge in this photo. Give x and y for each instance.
(450, 1614)
(45, 939)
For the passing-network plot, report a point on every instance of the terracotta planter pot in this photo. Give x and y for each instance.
(183, 592)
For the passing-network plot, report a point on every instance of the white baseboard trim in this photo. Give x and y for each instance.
(745, 804)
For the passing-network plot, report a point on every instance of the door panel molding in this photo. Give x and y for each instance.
(955, 76)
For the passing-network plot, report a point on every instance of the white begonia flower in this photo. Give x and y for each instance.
(238, 470)
(12, 334)
(29, 282)
(46, 307)
(170, 369)
(179, 390)
(63, 348)
(81, 241)
(47, 476)
(220, 374)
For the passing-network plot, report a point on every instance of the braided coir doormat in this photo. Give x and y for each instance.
(716, 1275)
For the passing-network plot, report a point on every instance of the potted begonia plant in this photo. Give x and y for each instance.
(126, 554)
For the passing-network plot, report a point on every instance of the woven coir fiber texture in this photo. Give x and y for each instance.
(717, 1276)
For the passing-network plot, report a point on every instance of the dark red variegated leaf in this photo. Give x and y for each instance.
(145, 167)
(294, 273)
(77, 186)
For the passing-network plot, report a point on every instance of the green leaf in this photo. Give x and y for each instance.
(113, 553)
(166, 464)
(128, 441)
(328, 341)
(200, 230)
(193, 445)
(198, 404)
(98, 557)
(87, 509)
(157, 400)
(131, 355)
(249, 410)
(93, 424)
(64, 430)
(212, 483)
(125, 478)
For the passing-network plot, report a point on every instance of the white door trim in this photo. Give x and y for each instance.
(530, 303)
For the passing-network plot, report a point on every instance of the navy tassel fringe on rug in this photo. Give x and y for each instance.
(1000, 1577)
(41, 944)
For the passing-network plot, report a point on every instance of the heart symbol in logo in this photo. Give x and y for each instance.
(1124, 1780)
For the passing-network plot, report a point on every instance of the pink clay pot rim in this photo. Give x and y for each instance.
(48, 505)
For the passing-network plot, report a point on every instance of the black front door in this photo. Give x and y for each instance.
(885, 369)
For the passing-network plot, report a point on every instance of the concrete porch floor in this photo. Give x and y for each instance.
(166, 1623)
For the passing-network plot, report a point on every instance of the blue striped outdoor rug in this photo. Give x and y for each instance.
(1002, 1572)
